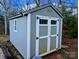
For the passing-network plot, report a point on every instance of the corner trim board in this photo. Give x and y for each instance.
(28, 35)
(61, 32)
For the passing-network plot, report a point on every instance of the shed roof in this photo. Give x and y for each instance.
(38, 8)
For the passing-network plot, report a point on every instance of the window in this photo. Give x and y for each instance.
(53, 22)
(15, 25)
(43, 21)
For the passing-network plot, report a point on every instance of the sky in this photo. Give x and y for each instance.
(19, 3)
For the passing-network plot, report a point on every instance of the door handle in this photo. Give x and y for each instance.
(37, 38)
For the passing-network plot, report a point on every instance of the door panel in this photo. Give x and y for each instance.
(53, 30)
(53, 43)
(43, 31)
(42, 45)
(43, 35)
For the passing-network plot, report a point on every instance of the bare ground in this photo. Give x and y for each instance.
(69, 52)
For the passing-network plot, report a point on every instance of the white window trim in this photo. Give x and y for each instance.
(43, 24)
(54, 18)
(53, 25)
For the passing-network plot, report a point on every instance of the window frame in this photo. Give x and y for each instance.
(42, 21)
(53, 23)
(38, 17)
(15, 28)
(55, 19)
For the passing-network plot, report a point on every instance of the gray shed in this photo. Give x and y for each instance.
(37, 32)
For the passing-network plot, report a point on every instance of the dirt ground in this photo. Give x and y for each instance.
(68, 52)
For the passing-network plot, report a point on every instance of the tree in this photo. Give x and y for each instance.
(6, 8)
(13, 13)
(70, 24)
(1, 24)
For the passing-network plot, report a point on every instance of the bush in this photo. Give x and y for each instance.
(1, 25)
(70, 26)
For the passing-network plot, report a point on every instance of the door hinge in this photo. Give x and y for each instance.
(38, 18)
(57, 34)
(58, 19)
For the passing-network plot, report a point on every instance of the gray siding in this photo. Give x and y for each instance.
(18, 38)
(43, 12)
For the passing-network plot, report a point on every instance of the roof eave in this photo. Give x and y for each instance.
(57, 11)
(38, 8)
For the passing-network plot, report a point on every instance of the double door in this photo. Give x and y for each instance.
(47, 34)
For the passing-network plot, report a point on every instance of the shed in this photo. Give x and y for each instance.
(37, 32)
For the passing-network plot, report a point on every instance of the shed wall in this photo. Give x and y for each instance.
(43, 12)
(18, 37)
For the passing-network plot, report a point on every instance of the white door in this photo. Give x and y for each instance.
(54, 33)
(43, 33)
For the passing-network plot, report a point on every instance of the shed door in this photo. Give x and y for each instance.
(46, 34)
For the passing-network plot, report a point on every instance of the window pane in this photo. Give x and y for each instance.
(43, 21)
(53, 22)
(15, 24)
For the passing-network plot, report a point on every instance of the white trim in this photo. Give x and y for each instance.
(48, 52)
(43, 24)
(15, 31)
(49, 33)
(37, 35)
(46, 17)
(42, 17)
(57, 33)
(37, 31)
(43, 37)
(28, 35)
(53, 35)
(61, 33)
(54, 18)
(53, 25)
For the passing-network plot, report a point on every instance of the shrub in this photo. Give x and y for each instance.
(70, 26)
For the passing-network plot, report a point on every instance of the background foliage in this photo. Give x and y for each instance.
(1, 25)
(70, 24)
